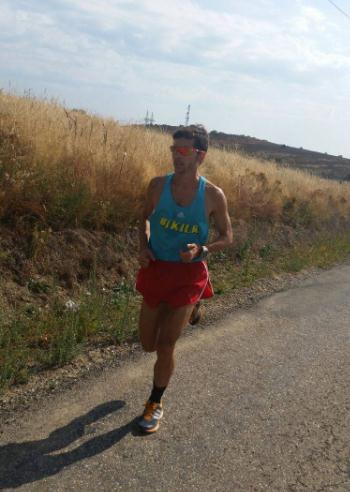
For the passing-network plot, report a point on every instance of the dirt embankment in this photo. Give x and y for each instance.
(42, 265)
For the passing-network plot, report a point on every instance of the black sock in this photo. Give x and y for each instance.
(157, 393)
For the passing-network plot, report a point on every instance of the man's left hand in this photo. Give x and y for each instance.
(192, 252)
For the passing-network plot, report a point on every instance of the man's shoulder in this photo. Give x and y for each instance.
(215, 198)
(213, 191)
(155, 187)
(157, 182)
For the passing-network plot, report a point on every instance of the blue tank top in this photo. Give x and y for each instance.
(172, 227)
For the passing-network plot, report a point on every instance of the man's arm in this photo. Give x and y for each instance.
(145, 254)
(222, 221)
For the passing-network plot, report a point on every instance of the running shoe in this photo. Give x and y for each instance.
(196, 314)
(149, 422)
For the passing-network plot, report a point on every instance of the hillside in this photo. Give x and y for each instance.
(323, 165)
(71, 189)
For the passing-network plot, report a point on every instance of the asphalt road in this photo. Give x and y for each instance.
(261, 401)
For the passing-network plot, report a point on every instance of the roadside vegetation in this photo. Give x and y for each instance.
(68, 171)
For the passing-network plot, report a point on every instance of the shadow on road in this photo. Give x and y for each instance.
(26, 462)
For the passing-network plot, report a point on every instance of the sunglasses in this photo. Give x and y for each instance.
(185, 151)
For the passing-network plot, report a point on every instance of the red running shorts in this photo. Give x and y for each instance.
(177, 284)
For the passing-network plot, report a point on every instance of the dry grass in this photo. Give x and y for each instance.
(262, 190)
(62, 168)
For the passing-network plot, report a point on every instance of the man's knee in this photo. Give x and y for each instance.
(148, 347)
(165, 348)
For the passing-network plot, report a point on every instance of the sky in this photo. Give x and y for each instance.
(276, 70)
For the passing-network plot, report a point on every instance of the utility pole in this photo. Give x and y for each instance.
(188, 115)
(147, 119)
(151, 120)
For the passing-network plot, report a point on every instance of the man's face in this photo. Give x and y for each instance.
(185, 157)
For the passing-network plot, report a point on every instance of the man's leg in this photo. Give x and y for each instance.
(149, 324)
(170, 329)
(196, 314)
(167, 326)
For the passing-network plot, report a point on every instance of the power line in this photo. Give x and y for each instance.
(340, 10)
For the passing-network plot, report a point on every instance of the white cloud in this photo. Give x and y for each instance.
(274, 58)
(181, 32)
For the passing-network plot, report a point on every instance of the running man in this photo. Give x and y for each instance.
(173, 248)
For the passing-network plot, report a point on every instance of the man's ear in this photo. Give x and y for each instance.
(201, 157)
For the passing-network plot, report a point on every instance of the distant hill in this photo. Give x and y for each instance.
(323, 165)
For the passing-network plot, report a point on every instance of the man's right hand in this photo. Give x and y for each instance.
(145, 257)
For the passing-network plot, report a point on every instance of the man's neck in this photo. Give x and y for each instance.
(186, 180)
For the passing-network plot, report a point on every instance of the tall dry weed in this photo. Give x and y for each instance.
(67, 168)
